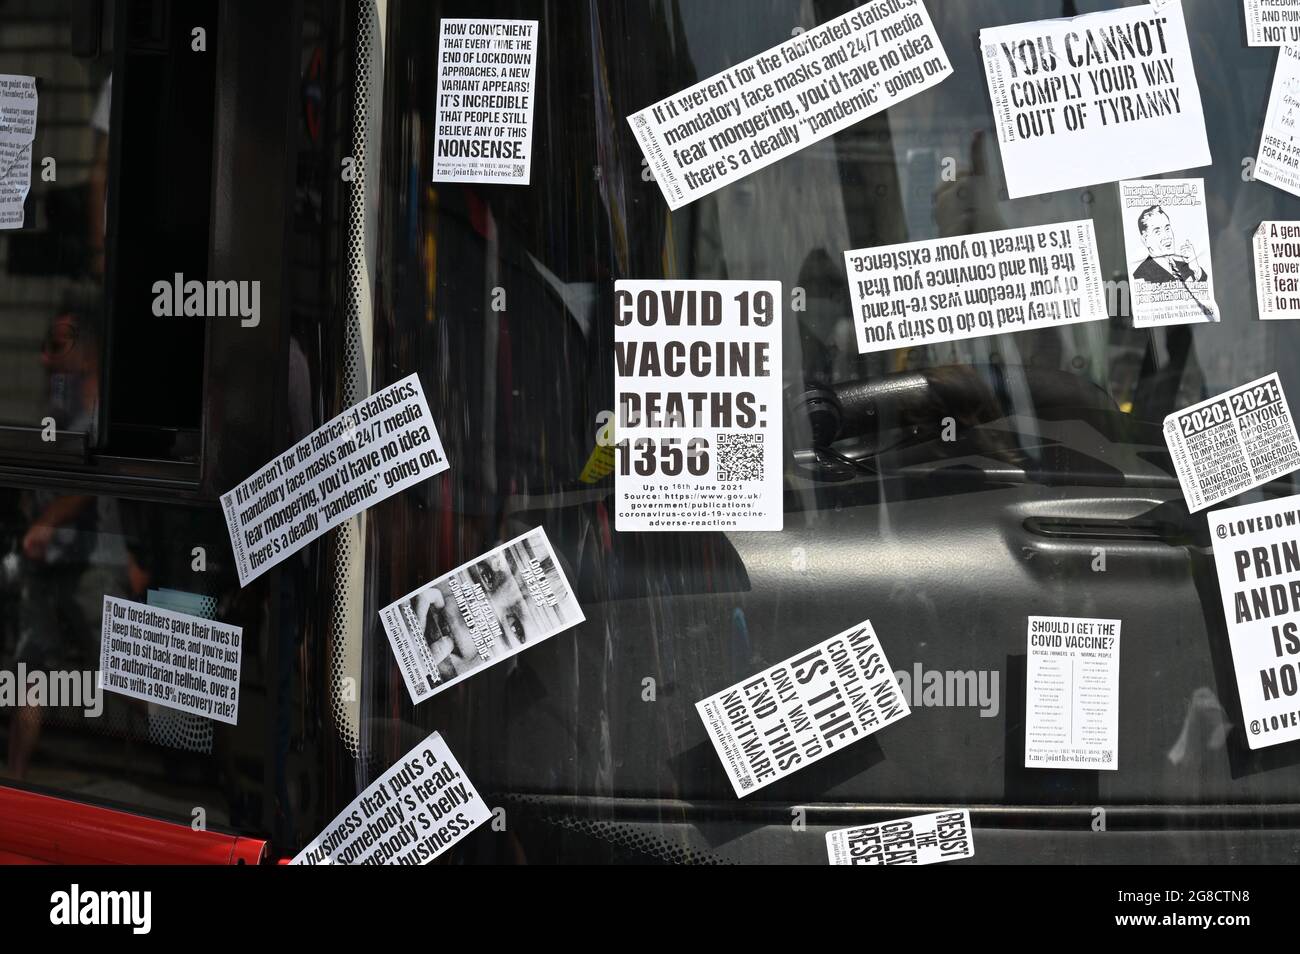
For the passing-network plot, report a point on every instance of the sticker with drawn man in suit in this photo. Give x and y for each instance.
(1167, 240)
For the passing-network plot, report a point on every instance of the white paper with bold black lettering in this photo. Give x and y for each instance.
(1257, 556)
(1072, 693)
(173, 659)
(1094, 98)
(15, 183)
(499, 604)
(1278, 160)
(371, 451)
(1277, 270)
(697, 383)
(18, 107)
(1272, 22)
(410, 815)
(1167, 241)
(968, 286)
(1232, 442)
(487, 71)
(795, 94)
(803, 709)
(916, 840)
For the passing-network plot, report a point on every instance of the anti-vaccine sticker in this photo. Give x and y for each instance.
(368, 453)
(797, 93)
(18, 106)
(1277, 161)
(1094, 98)
(1167, 241)
(803, 709)
(172, 659)
(1232, 442)
(1257, 556)
(411, 814)
(697, 381)
(1272, 22)
(920, 293)
(487, 72)
(918, 840)
(480, 613)
(1072, 693)
(1277, 270)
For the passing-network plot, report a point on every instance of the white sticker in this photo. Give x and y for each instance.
(697, 380)
(1277, 270)
(18, 103)
(505, 601)
(173, 659)
(487, 73)
(920, 293)
(18, 108)
(1278, 160)
(1094, 98)
(1072, 693)
(409, 815)
(918, 840)
(797, 93)
(803, 709)
(15, 183)
(1272, 22)
(1232, 442)
(368, 453)
(1167, 240)
(1257, 555)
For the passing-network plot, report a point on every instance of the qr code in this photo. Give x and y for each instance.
(740, 457)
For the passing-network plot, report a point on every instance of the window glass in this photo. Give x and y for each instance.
(947, 545)
(131, 521)
(120, 200)
(962, 488)
(61, 555)
(52, 268)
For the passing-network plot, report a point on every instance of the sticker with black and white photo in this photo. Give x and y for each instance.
(1072, 693)
(803, 709)
(1232, 442)
(797, 93)
(487, 71)
(1167, 241)
(1277, 270)
(1094, 98)
(410, 815)
(697, 381)
(1277, 162)
(371, 451)
(499, 604)
(968, 286)
(916, 840)
(1257, 557)
(1272, 22)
